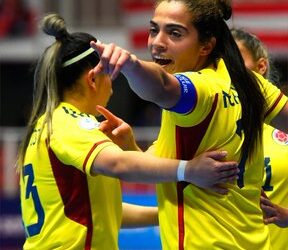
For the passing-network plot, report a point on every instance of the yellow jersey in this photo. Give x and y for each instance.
(63, 206)
(275, 182)
(194, 218)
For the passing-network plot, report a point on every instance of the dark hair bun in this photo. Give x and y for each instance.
(225, 8)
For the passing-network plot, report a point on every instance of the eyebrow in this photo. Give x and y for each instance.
(171, 25)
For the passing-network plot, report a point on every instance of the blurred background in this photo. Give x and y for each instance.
(125, 22)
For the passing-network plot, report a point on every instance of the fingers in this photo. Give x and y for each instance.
(98, 47)
(228, 172)
(228, 179)
(112, 58)
(104, 51)
(268, 210)
(106, 57)
(121, 60)
(116, 61)
(102, 126)
(263, 194)
(120, 129)
(112, 124)
(228, 167)
(270, 220)
(106, 113)
(269, 213)
(217, 155)
(266, 201)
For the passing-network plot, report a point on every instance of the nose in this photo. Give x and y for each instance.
(158, 42)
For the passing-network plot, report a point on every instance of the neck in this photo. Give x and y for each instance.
(81, 102)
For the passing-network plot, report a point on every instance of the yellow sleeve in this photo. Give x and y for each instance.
(275, 99)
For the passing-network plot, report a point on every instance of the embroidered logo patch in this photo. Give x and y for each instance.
(88, 123)
(280, 137)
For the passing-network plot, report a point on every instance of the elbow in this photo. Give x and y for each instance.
(112, 166)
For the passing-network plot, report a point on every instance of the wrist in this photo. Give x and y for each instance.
(181, 170)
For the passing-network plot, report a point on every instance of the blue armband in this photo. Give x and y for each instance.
(188, 96)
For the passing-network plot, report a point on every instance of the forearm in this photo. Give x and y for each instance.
(139, 216)
(150, 82)
(204, 170)
(147, 79)
(135, 166)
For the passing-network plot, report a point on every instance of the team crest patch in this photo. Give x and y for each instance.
(88, 123)
(280, 137)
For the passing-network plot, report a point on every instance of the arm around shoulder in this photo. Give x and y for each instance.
(206, 170)
(134, 166)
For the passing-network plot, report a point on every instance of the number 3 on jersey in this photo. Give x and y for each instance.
(32, 192)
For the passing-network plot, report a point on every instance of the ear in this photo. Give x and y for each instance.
(262, 66)
(90, 79)
(206, 49)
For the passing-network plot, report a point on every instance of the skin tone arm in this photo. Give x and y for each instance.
(158, 86)
(153, 83)
(205, 171)
(121, 133)
(139, 216)
(273, 214)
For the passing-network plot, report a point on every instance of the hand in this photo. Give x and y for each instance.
(207, 171)
(117, 130)
(273, 214)
(112, 58)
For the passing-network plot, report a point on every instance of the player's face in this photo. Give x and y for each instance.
(260, 66)
(173, 40)
(247, 57)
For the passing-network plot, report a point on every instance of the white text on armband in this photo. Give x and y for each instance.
(188, 96)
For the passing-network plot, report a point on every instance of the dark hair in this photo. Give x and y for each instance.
(52, 78)
(209, 17)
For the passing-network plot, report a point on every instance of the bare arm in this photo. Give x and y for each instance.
(146, 79)
(139, 216)
(206, 170)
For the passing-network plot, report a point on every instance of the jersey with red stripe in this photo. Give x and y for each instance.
(194, 218)
(275, 180)
(63, 205)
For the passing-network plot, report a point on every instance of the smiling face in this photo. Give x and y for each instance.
(173, 40)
